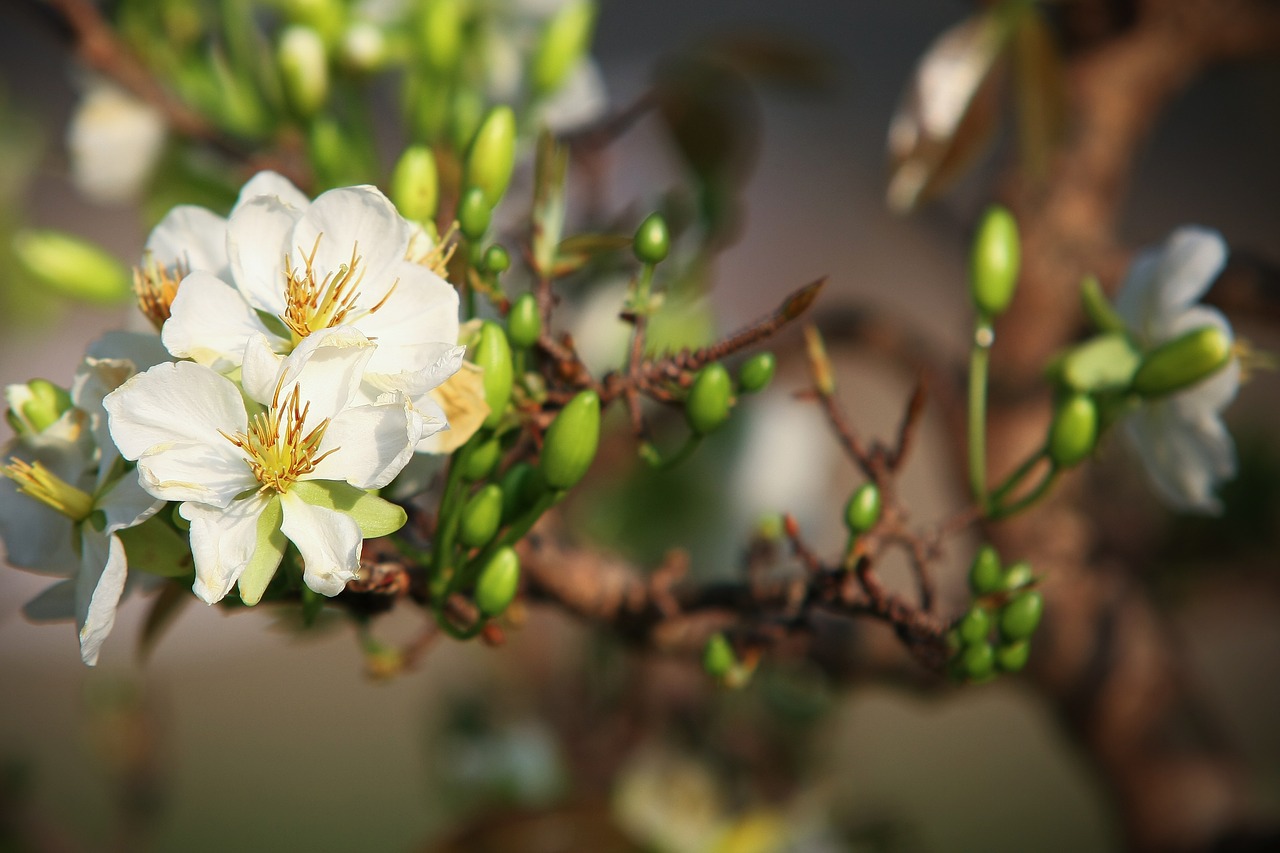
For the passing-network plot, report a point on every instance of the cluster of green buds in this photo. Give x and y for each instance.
(994, 635)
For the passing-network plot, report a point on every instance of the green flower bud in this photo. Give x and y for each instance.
(986, 575)
(651, 242)
(496, 259)
(36, 406)
(498, 582)
(757, 372)
(1074, 431)
(710, 398)
(492, 354)
(326, 17)
(571, 441)
(1182, 362)
(493, 154)
(521, 488)
(1104, 363)
(718, 658)
(415, 184)
(72, 267)
(995, 261)
(466, 112)
(524, 323)
(481, 517)
(974, 626)
(563, 44)
(1017, 576)
(863, 510)
(1012, 657)
(482, 459)
(474, 214)
(304, 69)
(978, 661)
(363, 47)
(1020, 616)
(441, 32)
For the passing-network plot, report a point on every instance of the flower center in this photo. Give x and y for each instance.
(313, 303)
(51, 490)
(279, 451)
(155, 286)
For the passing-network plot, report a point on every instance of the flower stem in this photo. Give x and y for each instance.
(979, 359)
(1028, 500)
(1020, 473)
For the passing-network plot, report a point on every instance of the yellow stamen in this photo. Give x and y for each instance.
(1252, 359)
(313, 303)
(438, 256)
(278, 450)
(39, 482)
(155, 286)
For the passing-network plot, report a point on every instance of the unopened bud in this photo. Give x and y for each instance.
(492, 354)
(1182, 362)
(326, 17)
(1074, 431)
(863, 510)
(985, 575)
(718, 659)
(995, 262)
(304, 69)
(415, 184)
(364, 47)
(757, 372)
(1019, 617)
(497, 259)
(474, 214)
(493, 154)
(481, 517)
(975, 626)
(571, 441)
(72, 267)
(498, 582)
(524, 323)
(710, 399)
(978, 661)
(1012, 657)
(564, 42)
(441, 32)
(482, 459)
(652, 242)
(1017, 576)
(521, 487)
(36, 406)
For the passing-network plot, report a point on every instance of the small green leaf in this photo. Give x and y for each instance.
(266, 556)
(157, 549)
(376, 517)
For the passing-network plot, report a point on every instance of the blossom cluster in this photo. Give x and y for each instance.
(297, 364)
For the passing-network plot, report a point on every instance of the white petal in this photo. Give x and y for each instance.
(126, 504)
(174, 402)
(1185, 461)
(373, 443)
(1211, 396)
(222, 542)
(209, 323)
(272, 184)
(55, 604)
(191, 238)
(195, 471)
(98, 590)
(36, 536)
(258, 239)
(328, 367)
(354, 218)
(328, 541)
(260, 370)
(1139, 295)
(421, 313)
(142, 348)
(1191, 260)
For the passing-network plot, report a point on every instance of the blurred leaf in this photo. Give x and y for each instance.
(548, 204)
(775, 58)
(173, 597)
(156, 548)
(1040, 86)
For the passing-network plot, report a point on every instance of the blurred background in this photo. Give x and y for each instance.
(237, 731)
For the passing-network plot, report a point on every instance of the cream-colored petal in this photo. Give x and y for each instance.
(267, 183)
(222, 543)
(98, 589)
(190, 238)
(258, 239)
(210, 322)
(354, 218)
(370, 445)
(328, 541)
(419, 315)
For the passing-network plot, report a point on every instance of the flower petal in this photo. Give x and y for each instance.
(370, 445)
(420, 313)
(272, 184)
(328, 367)
(1191, 259)
(329, 542)
(1184, 460)
(222, 542)
(209, 322)
(354, 219)
(191, 238)
(126, 504)
(258, 239)
(98, 589)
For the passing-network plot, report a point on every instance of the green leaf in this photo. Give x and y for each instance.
(376, 517)
(156, 548)
(266, 556)
(1105, 363)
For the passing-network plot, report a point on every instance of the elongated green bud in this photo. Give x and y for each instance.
(481, 517)
(482, 459)
(363, 47)
(651, 242)
(474, 214)
(524, 323)
(995, 262)
(1012, 657)
(493, 355)
(496, 259)
(718, 659)
(975, 626)
(863, 510)
(1074, 431)
(1019, 618)
(564, 42)
(498, 582)
(36, 406)
(415, 184)
(1017, 576)
(304, 69)
(978, 661)
(521, 487)
(986, 575)
(72, 267)
(493, 154)
(571, 441)
(1182, 362)
(326, 17)
(441, 32)
(710, 399)
(757, 372)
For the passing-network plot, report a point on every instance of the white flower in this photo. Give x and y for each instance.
(247, 477)
(115, 141)
(298, 267)
(1181, 439)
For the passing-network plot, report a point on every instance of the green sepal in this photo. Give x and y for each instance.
(1105, 363)
(157, 549)
(1098, 308)
(375, 516)
(266, 556)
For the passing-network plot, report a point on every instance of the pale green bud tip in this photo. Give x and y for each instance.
(571, 441)
(710, 399)
(72, 267)
(442, 25)
(474, 214)
(524, 323)
(498, 582)
(718, 658)
(1182, 362)
(995, 262)
(757, 372)
(481, 517)
(415, 185)
(364, 47)
(564, 42)
(863, 509)
(493, 355)
(304, 69)
(493, 154)
(652, 242)
(1074, 431)
(36, 406)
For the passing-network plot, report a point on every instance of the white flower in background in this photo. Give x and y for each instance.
(1181, 439)
(581, 101)
(115, 141)
(250, 479)
(298, 267)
